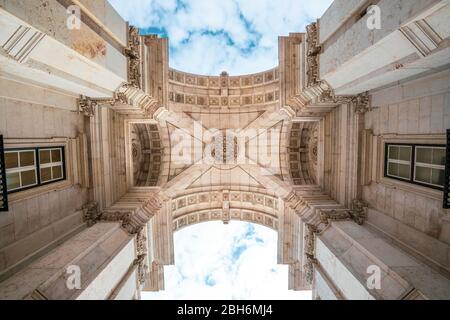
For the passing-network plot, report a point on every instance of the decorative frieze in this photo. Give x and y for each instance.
(224, 80)
(232, 100)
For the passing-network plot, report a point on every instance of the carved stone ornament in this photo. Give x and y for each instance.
(313, 51)
(141, 248)
(361, 103)
(311, 261)
(91, 213)
(358, 211)
(294, 201)
(134, 59)
(87, 106)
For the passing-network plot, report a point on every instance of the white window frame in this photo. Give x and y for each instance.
(408, 163)
(427, 165)
(37, 167)
(52, 164)
(23, 169)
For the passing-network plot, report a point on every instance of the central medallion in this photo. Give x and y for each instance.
(225, 149)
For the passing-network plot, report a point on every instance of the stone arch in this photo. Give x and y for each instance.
(303, 152)
(147, 153)
(202, 206)
(252, 216)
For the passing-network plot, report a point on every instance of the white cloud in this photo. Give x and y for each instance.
(239, 36)
(207, 37)
(235, 261)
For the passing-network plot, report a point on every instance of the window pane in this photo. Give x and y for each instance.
(404, 171)
(12, 180)
(44, 156)
(423, 174)
(56, 155)
(57, 172)
(437, 177)
(424, 155)
(27, 158)
(11, 160)
(393, 169)
(439, 156)
(46, 174)
(405, 153)
(393, 152)
(28, 178)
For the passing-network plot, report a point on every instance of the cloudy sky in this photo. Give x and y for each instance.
(234, 261)
(211, 36)
(213, 261)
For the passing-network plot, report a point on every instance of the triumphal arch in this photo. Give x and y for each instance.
(106, 151)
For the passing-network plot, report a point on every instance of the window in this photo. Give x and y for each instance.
(447, 174)
(3, 190)
(418, 164)
(27, 168)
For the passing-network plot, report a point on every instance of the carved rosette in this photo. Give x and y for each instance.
(134, 59)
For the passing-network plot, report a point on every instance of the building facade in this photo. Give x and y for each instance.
(106, 151)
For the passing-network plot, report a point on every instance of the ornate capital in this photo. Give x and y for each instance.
(87, 106)
(361, 103)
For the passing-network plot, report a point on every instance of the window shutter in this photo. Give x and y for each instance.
(3, 191)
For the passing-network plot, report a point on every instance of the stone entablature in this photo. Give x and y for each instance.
(227, 91)
(252, 198)
(224, 81)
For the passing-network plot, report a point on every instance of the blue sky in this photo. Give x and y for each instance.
(213, 261)
(210, 36)
(234, 261)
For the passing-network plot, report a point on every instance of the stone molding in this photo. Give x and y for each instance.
(357, 213)
(127, 99)
(316, 91)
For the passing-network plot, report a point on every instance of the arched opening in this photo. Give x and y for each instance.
(146, 153)
(233, 261)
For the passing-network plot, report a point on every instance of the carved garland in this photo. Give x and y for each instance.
(134, 59)
(313, 51)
